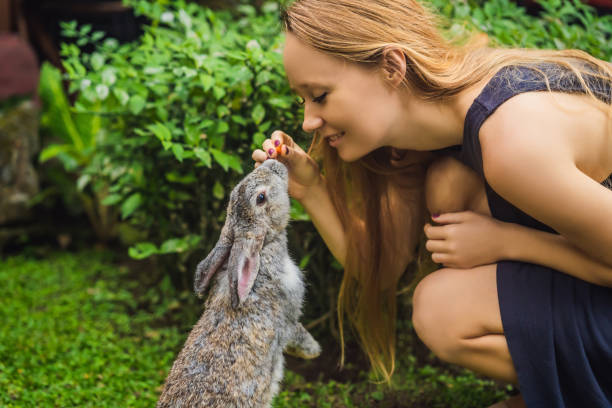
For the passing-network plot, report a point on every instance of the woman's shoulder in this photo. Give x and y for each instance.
(570, 126)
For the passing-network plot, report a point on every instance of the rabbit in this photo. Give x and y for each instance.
(233, 357)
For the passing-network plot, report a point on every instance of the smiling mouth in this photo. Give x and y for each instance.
(335, 137)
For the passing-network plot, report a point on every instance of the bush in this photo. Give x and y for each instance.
(179, 112)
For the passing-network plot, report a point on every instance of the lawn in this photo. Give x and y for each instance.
(81, 331)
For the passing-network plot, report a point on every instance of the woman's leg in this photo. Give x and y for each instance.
(452, 186)
(456, 314)
(456, 311)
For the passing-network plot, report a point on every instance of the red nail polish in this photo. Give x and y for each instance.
(276, 142)
(286, 150)
(270, 152)
(436, 215)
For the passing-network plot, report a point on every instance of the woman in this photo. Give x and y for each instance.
(384, 94)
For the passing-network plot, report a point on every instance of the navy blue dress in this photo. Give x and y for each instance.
(558, 328)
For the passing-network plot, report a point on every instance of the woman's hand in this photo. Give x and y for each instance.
(465, 240)
(303, 170)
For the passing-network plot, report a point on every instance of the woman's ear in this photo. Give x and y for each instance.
(394, 65)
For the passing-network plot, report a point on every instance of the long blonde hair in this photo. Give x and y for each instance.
(379, 198)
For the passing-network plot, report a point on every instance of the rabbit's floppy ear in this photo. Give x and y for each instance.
(243, 266)
(207, 268)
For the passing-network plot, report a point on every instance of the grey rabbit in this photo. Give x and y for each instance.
(233, 357)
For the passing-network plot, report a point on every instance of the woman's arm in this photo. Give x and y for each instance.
(555, 251)
(317, 203)
(467, 239)
(539, 164)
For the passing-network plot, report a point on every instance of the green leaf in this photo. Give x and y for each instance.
(174, 245)
(142, 250)
(112, 199)
(218, 92)
(203, 155)
(97, 61)
(207, 81)
(234, 163)
(222, 158)
(280, 102)
(377, 395)
(218, 191)
(258, 114)
(178, 151)
(239, 119)
(52, 151)
(175, 177)
(121, 95)
(130, 205)
(222, 127)
(108, 76)
(160, 131)
(137, 104)
(82, 181)
(60, 119)
(258, 138)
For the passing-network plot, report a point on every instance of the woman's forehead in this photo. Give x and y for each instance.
(307, 67)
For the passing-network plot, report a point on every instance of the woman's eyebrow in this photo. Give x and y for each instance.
(309, 85)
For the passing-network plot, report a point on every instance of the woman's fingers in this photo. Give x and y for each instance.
(444, 259)
(436, 246)
(435, 232)
(452, 217)
(259, 156)
(278, 137)
(269, 149)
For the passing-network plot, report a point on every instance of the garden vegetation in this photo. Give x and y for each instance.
(147, 143)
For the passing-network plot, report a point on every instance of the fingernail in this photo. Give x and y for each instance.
(286, 150)
(276, 142)
(270, 152)
(436, 215)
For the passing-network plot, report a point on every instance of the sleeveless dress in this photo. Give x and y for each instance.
(558, 328)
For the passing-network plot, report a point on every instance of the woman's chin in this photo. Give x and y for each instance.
(349, 156)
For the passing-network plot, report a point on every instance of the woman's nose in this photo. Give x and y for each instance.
(311, 122)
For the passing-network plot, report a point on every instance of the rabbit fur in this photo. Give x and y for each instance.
(233, 357)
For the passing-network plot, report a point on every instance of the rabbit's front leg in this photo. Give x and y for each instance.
(302, 344)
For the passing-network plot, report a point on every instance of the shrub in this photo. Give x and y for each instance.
(179, 111)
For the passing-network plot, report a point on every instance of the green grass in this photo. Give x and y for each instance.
(79, 331)
(71, 336)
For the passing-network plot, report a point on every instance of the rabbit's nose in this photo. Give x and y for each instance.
(277, 167)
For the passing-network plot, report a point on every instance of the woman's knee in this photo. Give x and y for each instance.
(452, 305)
(434, 317)
(449, 186)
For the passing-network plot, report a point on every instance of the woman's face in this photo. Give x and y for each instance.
(348, 105)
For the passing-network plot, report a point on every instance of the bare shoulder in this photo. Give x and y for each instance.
(544, 126)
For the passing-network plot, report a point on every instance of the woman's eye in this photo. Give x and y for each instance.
(320, 98)
(261, 198)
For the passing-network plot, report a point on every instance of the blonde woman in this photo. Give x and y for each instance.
(522, 141)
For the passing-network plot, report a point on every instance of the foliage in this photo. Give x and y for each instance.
(182, 108)
(561, 24)
(78, 134)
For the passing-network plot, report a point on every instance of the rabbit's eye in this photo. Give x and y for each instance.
(261, 198)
